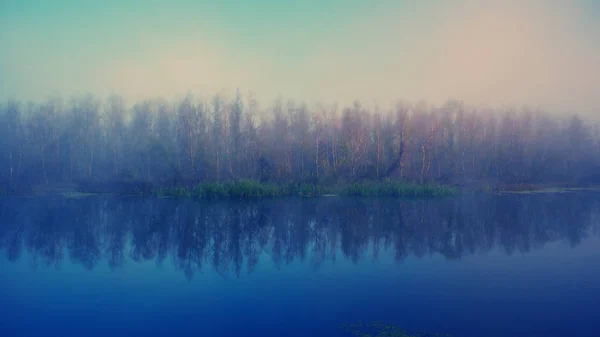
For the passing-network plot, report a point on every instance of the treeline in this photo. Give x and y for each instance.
(230, 237)
(157, 143)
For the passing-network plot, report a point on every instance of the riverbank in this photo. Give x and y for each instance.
(243, 189)
(543, 188)
(254, 189)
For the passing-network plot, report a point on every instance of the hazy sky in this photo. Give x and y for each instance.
(543, 53)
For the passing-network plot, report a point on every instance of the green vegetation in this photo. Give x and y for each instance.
(254, 189)
(379, 329)
(538, 189)
(397, 189)
(241, 189)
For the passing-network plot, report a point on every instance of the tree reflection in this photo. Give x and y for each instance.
(231, 237)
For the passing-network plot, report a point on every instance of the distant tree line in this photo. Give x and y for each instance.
(162, 143)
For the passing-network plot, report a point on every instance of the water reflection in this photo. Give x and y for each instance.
(232, 236)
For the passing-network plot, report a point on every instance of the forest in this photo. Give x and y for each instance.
(89, 142)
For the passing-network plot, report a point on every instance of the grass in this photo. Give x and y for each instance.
(397, 189)
(254, 189)
(240, 189)
(177, 192)
(543, 189)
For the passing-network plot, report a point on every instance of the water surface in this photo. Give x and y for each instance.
(518, 265)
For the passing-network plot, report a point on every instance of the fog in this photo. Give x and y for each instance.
(537, 53)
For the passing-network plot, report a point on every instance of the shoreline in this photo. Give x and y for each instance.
(254, 189)
(249, 189)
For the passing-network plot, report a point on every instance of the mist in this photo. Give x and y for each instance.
(537, 53)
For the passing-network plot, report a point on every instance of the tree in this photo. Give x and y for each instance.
(41, 133)
(12, 137)
(356, 141)
(191, 125)
(159, 143)
(116, 128)
(235, 130)
(142, 133)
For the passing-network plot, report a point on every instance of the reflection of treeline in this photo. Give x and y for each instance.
(231, 236)
(107, 145)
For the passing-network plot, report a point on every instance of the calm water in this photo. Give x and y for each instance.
(469, 266)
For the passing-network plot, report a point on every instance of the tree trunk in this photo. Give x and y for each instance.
(253, 161)
(91, 163)
(317, 155)
(115, 163)
(204, 150)
(462, 161)
(401, 156)
(428, 161)
(193, 162)
(333, 151)
(229, 159)
(218, 164)
(194, 170)
(437, 161)
(20, 159)
(58, 156)
(79, 171)
(289, 159)
(422, 162)
(402, 167)
(302, 159)
(71, 164)
(11, 167)
(44, 166)
(473, 160)
(148, 167)
(378, 154)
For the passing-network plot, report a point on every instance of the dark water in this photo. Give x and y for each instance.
(469, 266)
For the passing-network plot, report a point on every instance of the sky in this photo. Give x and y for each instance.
(540, 53)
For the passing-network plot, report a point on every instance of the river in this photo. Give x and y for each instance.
(468, 266)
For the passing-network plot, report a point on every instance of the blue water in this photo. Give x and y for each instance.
(469, 266)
